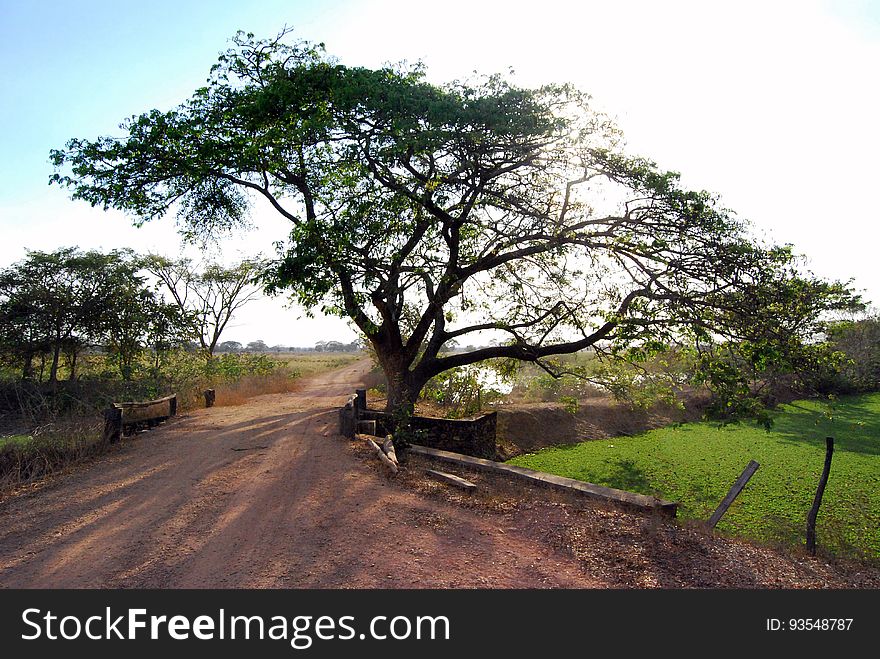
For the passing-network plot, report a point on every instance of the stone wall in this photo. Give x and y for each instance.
(474, 436)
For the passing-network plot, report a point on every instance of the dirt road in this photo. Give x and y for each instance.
(264, 494)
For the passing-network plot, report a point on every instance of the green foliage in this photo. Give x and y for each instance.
(464, 391)
(570, 403)
(858, 344)
(642, 383)
(426, 213)
(65, 301)
(697, 463)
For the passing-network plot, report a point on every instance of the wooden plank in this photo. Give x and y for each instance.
(735, 489)
(380, 454)
(113, 424)
(144, 403)
(628, 499)
(452, 479)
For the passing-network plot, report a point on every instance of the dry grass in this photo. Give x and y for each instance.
(238, 392)
(50, 449)
(310, 363)
(282, 380)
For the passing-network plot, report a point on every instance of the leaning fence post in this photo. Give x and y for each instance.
(210, 396)
(735, 489)
(817, 500)
(112, 424)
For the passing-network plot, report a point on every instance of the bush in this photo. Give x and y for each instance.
(464, 391)
(48, 450)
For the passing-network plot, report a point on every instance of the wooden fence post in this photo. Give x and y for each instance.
(361, 399)
(210, 396)
(172, 406)
(817, 500)
(737, 487)
(112, 424)
(348, 418)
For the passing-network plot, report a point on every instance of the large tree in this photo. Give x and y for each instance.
(429, 213)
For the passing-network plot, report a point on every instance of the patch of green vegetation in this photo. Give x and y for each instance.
(15, 440)
(697, 463)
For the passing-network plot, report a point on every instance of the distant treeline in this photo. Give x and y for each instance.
(57, 306)
(261, 346)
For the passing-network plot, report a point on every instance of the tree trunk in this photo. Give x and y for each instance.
(27, 372)
(53, 370)
(73, 356)
(401, 394)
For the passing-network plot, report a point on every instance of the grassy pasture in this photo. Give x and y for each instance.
(696, 464)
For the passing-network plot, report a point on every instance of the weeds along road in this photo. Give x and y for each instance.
(264, 494)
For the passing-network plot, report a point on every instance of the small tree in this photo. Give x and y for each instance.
(138, 320)
(210, 297)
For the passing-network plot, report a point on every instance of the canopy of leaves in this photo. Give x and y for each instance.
(64, 301)
(427, 213)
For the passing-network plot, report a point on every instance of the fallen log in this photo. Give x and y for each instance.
(388, 448)
(392, 466)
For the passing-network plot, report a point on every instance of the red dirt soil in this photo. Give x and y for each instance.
(266, 494)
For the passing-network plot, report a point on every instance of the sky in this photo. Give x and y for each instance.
(773, 105)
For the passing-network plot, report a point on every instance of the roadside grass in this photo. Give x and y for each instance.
(25, 458)
(292, 366)
(696, 463)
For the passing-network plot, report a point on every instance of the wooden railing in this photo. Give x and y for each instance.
(127, 415)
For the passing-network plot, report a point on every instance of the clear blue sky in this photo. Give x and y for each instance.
(771, 103)
(78, 68)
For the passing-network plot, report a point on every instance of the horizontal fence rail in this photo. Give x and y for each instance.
(131, 414)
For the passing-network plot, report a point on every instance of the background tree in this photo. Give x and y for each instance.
(208, 297)
(430, 213)
(257, 346)
(858, 341)
(139, 320)
(230, 346)
(61, 302)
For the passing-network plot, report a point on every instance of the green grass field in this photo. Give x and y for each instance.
(697, 463)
